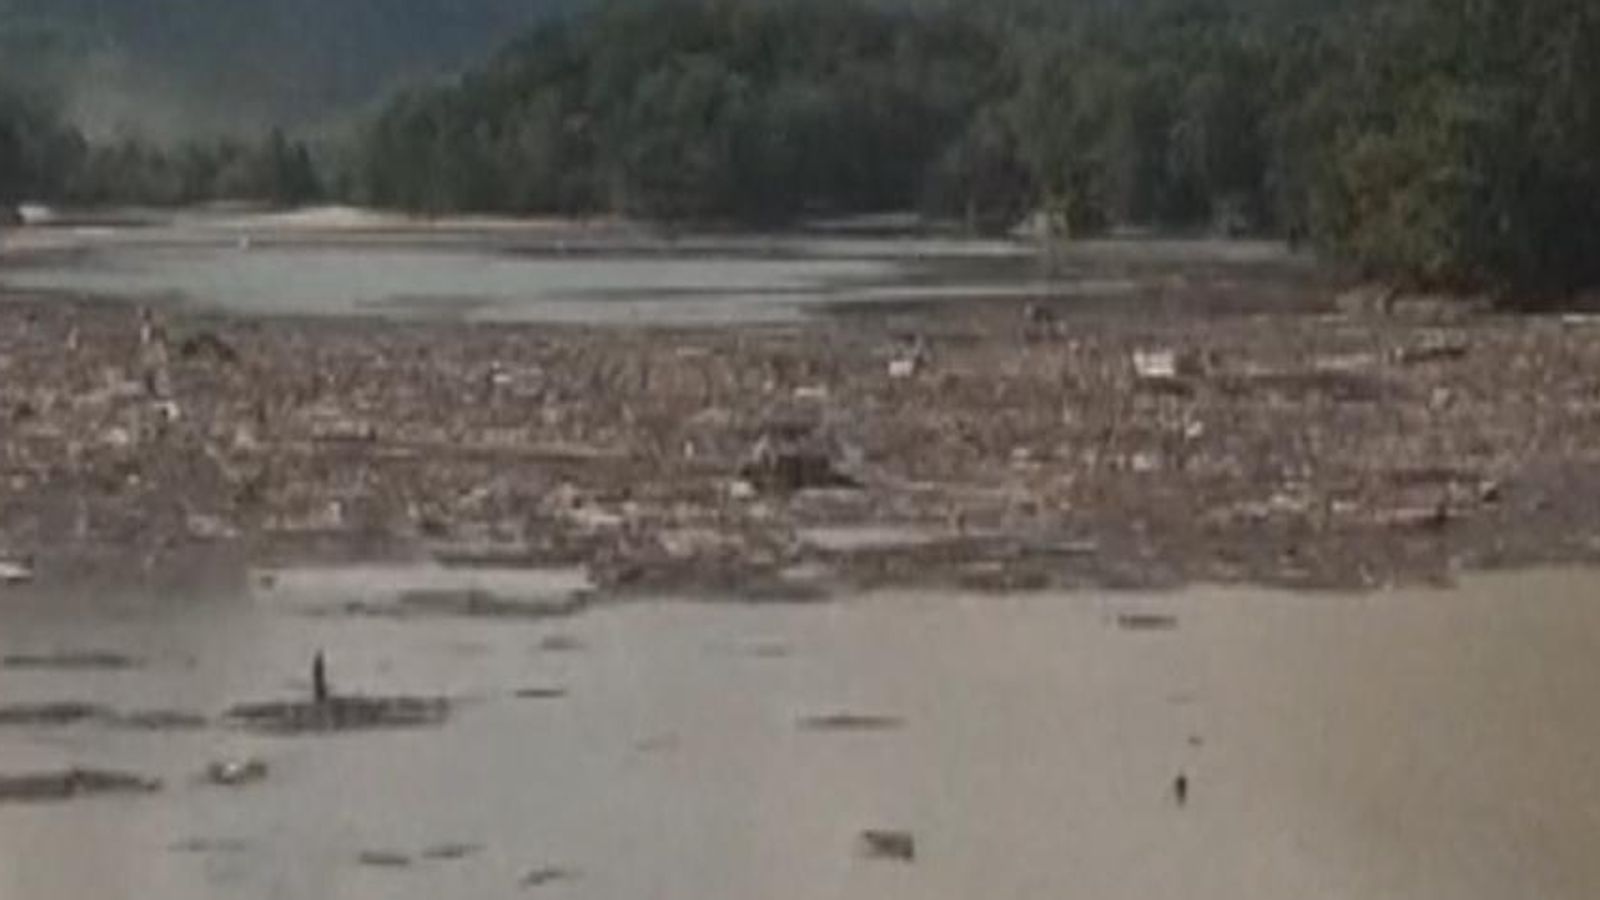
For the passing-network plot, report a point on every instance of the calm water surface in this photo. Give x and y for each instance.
(510, 273)
(1416, 744)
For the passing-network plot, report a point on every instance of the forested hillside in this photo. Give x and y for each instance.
(1454, 144)
(1445, 143)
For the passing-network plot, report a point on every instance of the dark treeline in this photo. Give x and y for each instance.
(747, 110)
(43, 159)
(274, 170)
(1449, 143)
(1455, 143)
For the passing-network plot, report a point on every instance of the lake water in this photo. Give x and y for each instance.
(350, 262)
(1415, 744)
(266, 267)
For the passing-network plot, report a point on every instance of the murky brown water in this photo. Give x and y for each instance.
(1409, 745)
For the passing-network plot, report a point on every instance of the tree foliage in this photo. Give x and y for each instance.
(37, 153)
(693, 109)
(1449, 143)
(1467, 153)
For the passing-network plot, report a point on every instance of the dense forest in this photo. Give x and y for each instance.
(1449, 143)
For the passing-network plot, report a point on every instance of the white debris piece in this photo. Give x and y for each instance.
(14, 572)
(903, 368)
(36, 214)
(1156, 365)
(236, 772)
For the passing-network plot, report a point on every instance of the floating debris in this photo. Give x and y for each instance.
(1180, 789)
(210, 528)
(912, 360)
(851, 722)
(450, 852)
(511, 473)
(548, 875)
(767, 650)
(209, 845)
(340, 713)
(1155, 365)
(51, 714)
(319, 679)
(236, 772)
(161, 720)
(1432, 517)
(15, 572)
(71, 660)
(1167, 371)
(844, 539)
(660, 743)
(1038, 314)
(470, 603)
(72, 712)
(1146, 621)
(1336, 384)
(540, 693)
(907, 367)
(560, 643)
(384, 859)
(1439, 349)
(898, 846)
(789, 465)
(206, 345)
(47, 787)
